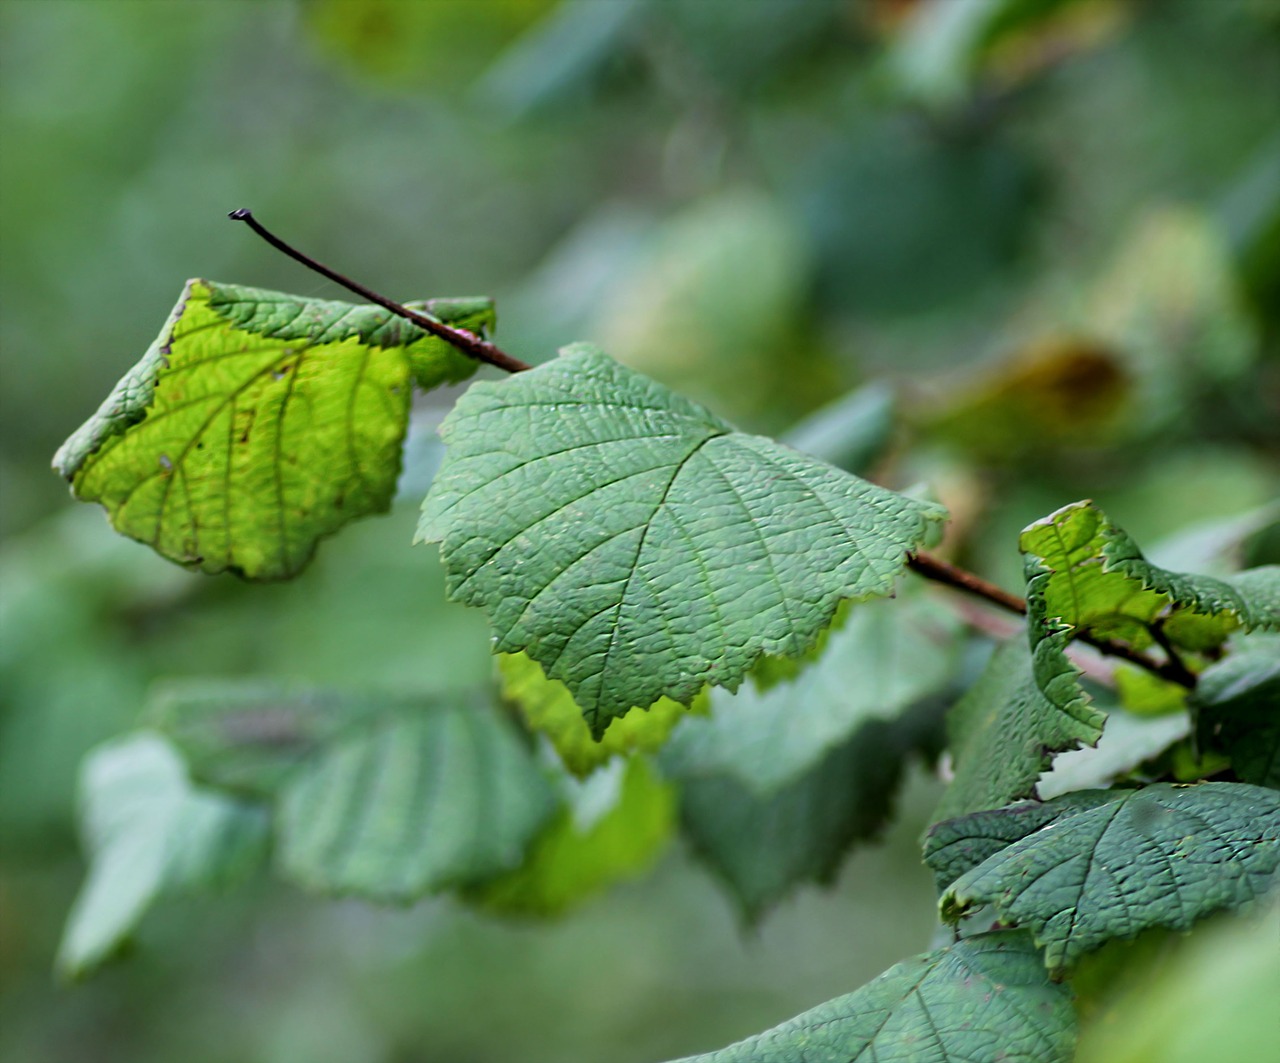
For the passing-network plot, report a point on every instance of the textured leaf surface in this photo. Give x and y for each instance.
(986, 998)
(955, 846)
(257, 423)
(549, 708)
(636, 546)
(1238, 707)
(1162, 856)
(148, 833)
(614, 826)
(1003, 733)
(1092, 575)
(1087, 576)
(882, 658)
(764, 845)
(389, 798)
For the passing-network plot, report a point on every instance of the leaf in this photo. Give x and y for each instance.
(1085, 576)
(1093, 576)
(636, 546)
(1003, 734)
(984, 998)
(955, 846)
(762, 845)
(1165, 856)
(549, 708)
(882, 658)
(587, 848)
(257, 423)
(386, 797)
(149, 833)
(1213, 999)
(1237, 703)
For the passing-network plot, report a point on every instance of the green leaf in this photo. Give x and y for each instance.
(1237, 702)
(984, 998)
(1085, 576)
(953, 847)
(636, 546)
(614, 828)
(882, 658)
(1213, 999)
(149, 833)
(257, 423)
(1003, 734)
(1163, 856)
(385, 797)
(549, 708)
(762, 845)
(1086, 573)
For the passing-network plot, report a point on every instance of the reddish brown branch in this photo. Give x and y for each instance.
(464, 341)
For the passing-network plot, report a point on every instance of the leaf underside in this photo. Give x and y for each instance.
(149, 833)
(384, 797)
(984, 998)
(1118, 862)
(636, 546)
(258, 423)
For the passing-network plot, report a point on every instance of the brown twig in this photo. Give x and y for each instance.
(464, 341)
(934, 568)
(923, 563)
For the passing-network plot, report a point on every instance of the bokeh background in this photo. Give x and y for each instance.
(1052, 227)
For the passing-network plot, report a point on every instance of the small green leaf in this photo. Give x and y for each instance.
(1003, 734)
(763, 845)
(1085, 576)
(636, 546)
(984, 998)
(883, 657)
(549, 708)
(257, 423)
(385, 797)
(587, 848)
(1163, 856)
(1237, 702)
(149, 832)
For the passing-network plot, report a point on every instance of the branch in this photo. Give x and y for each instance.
(479, 349)
(925, 564)
(940, 571)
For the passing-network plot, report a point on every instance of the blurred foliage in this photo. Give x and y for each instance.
(1011, 214)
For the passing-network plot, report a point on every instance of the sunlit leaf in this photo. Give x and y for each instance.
(984, 998)
(1165, 855)
(257, 423)
(636, 546)
(549, 708)
(614, 827)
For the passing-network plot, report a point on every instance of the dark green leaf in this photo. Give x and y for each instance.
(1238, 706)
(1003, 733)
(762, 845)
(636, 546)
(878, 660)
(149, 833)
(257, 423)
(984, 998)
(1164, 856)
